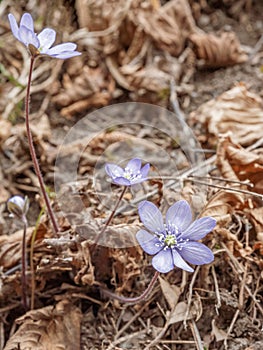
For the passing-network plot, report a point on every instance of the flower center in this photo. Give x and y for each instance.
(129, 175)
(170, 240)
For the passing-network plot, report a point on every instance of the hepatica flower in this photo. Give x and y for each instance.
(174, 242)
(132, 174)
(40, 44)
(18, 206)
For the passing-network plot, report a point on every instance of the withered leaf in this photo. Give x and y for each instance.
(237, 110)
(48, 328)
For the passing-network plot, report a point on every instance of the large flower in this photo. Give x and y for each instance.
(40, 44)
(132, 174)
(174, 241)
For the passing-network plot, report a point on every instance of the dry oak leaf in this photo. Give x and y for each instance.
(237, 163)
(218, 51)
(48, 328)
(236, 110)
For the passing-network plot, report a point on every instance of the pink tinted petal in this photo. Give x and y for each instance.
(122, 181)
(179, 214)
(27, 21)
(61, 48)
(145, 169)
(149, 243)
(179, 261)
(199, 228)
(134, 165)
(151, 216)
(197, 253)
(114, 170)
(13, 25)
(65, 55)
(27, 37)
(46, 38)
(163, 261)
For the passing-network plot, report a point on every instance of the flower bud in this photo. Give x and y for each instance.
(18, 206)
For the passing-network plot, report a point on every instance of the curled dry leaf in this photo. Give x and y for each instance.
(236, 110)
(218, 51)
(48, 328)
(237, 163)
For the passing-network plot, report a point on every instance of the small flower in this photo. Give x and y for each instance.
(174, 241)
(18, 206)
(132, 174)
(40, 44)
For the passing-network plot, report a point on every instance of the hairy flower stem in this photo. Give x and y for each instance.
(33, 151)
(24, 265)
(110, 218)
(135, 300)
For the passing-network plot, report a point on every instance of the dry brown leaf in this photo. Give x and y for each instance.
(218, 51)
(174, 21)
(237, 111)
(170, 292)
(237, 163)
(218, 333)
(255, 215)
(48, 328)
(222, 205)
(179, 313)
(5, 130)
(126, 265)
(11, 248)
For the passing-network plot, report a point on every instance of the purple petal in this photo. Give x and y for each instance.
(61, 49)
(27, 21)
(114, 170)
(26, 36)
(144, 170)
(46, 38)
(13, 26)
(65, 55)
(149, 243)
(179, 261)
(197, 253)
(151, 217)
(179, 214)
(163, 261)
(199, 228)
(122, 181)
(134, 165)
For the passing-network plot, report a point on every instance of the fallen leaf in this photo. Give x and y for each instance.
(170, 292)
(237, 110)
(48, 328)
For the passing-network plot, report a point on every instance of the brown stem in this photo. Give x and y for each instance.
(109, 218)
(141, 297)
(33, 152)
(24, 265)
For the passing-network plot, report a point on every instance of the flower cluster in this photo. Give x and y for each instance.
(174, 241)
(40, 44)
(132, 174)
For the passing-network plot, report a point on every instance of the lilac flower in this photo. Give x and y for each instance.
(18, 206)
(132, 174)
(175, 241)
(40, 44)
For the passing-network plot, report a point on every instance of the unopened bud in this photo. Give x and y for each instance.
(18, 206)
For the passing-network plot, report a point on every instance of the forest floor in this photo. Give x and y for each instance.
(178, 84)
